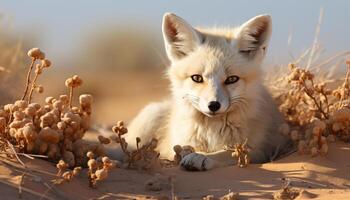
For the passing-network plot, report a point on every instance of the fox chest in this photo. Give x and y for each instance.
(210, 136)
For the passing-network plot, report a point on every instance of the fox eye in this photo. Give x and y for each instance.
(231, 80)
(197, 78)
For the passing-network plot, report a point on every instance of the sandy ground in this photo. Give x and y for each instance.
(322, 177)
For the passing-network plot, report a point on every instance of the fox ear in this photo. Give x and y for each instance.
(255, 34)
(179, 37)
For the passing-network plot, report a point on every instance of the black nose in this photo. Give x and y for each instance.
(214, 106)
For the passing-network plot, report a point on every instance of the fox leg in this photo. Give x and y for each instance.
(146, 125)
(222, 158)
(206, 161)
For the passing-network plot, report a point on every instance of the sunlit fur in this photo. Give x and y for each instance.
(247, 110)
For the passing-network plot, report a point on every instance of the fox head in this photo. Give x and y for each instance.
(216, 70)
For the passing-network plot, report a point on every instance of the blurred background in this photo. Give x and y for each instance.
(116, 46)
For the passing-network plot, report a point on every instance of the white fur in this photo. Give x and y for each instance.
(247, 111)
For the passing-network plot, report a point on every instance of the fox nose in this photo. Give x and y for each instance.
(214, 106)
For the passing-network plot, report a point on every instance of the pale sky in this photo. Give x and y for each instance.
(63, 23)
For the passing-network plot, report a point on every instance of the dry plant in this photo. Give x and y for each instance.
(143, 157)
(286, 192)
(54, 129)
(240, 153)
(180, 152)
(316, 112)
(65, 176)
(98, 168)
(229, 196)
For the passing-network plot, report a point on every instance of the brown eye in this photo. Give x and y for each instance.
(231, 80)
(197, 78)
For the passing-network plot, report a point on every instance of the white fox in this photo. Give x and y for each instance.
(217, 95)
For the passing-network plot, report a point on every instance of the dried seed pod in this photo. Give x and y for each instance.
(47, 119)
(49, 100)
(27, 120)
(75, 110)
(38, 69)
(76, 171)
(64, 99)
(177, 156)
(39, 89)
(120, 123)
(58, 105)
(46, 63)
(13, 132)
(19, 135)
(90, 155)
(21, 104)
(101, 174)
(85, 100)
(92, 164)
(103, 140)
(187, 149)
(35, 105)
(18, 115)
(61, 125)
(29, 133)
(68, 175)
(30, 111)
(69, 82)
(105, 159)
(49, 135)
(36, 53)
(177, 149)
(123, 130)
(77, 81)
(16, 124)
(61, 166)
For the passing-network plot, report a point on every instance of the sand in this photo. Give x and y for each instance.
(322, 177)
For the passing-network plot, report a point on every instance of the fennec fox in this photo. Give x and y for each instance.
(217, 95)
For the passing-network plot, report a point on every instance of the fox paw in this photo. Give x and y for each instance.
(196, 162)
